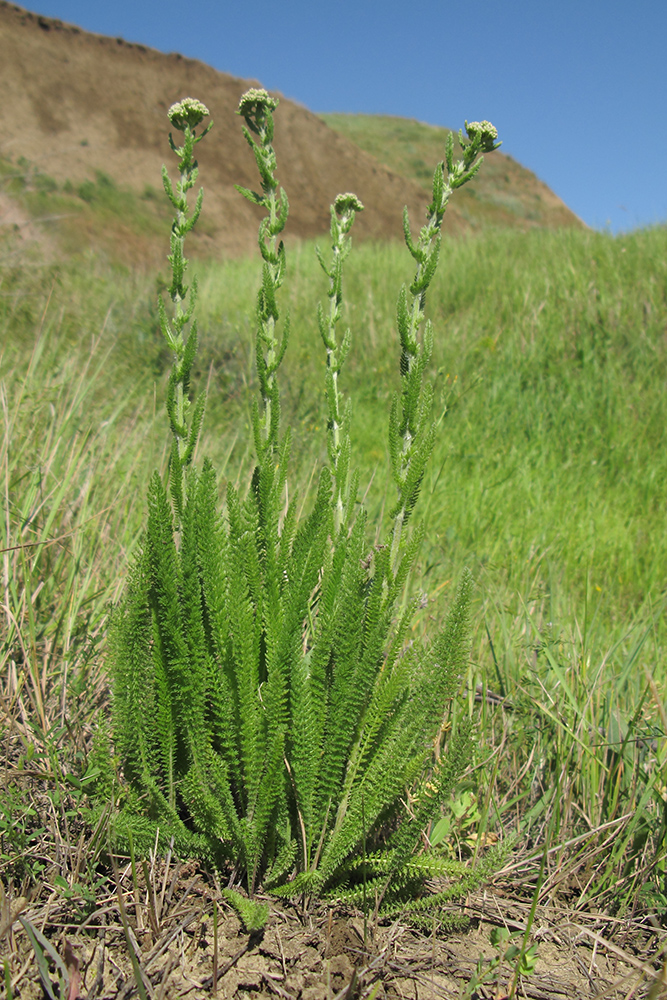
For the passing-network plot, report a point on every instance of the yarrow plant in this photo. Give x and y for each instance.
(269, 713)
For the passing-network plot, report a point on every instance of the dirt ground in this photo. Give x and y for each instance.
(314, 953)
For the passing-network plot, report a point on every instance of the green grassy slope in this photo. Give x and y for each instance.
(550, 356)
(69, 219)
(503, 194)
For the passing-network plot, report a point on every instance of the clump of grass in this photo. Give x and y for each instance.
(53, 490)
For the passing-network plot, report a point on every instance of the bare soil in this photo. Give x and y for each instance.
(110, 921)
(317, 953)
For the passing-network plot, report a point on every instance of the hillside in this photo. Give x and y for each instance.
(86, 102)
(503, 194)
(86, 155)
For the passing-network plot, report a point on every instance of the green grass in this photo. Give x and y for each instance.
(551, 360)
(548, 481)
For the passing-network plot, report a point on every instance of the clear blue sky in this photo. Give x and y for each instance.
(576, 88)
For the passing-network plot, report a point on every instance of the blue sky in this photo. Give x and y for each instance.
(576, 88)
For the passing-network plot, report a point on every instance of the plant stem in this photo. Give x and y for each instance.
(411, 432)
(184, 116)
(256, 107)
(342, 217)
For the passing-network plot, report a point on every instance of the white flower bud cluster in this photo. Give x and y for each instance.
(346, 203)
(255, 100)
(487, 132)
(187, 113)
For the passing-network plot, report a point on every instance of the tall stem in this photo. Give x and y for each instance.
(343, 211)
(185, 116)
(411, 427)
(257, 108)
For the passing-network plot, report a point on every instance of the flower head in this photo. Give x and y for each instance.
(346, 203)
(187, 113)
(255, 101)
(487, 132)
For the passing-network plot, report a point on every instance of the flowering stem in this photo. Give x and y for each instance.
(342, 216)
(412, 432)
(185, 116)
(256, 108)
